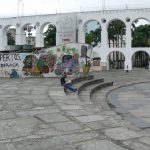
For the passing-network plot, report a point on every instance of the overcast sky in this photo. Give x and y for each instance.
(9, 8)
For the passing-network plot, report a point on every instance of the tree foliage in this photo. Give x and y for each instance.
(116, 31)
(141, 36)
(50, 36)
(93, 37)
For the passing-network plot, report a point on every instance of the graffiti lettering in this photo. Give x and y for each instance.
(10, 65)
(49, 63)
(9, 57)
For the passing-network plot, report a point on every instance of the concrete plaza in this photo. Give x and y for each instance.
(36, 114)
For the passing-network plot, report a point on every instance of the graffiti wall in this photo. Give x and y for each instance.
(51, 62)
(10, 65)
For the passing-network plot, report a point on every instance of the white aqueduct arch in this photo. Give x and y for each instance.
(68, 24)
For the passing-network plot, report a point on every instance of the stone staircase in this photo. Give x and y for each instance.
(87, 87)
(89, 109)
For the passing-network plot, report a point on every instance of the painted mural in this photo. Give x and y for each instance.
(67, 59)
(86, 58)
(51, 62)
(10, 65)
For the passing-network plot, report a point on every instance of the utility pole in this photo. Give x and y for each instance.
(22, 8)
(103, 5)
(18, 6)
(126, 6)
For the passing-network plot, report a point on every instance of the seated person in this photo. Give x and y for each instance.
(67, 84)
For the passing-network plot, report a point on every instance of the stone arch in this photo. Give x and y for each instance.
(6, 28)
(41, 31)
(26, 34)
(140, 59)
(5, 32)
(87, 21)
(140, 29)
(115, 60)
(46, 23)
(109, 21)
(88, 26)
(116, 33)
(143, 18)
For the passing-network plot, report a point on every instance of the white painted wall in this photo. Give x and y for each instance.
(68, 23)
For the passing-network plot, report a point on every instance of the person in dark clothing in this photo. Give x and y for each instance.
(62, 80)
(67, 84)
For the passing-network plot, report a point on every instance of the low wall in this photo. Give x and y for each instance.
(51, 62)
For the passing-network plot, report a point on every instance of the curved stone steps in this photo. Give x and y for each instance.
(84, 94)
(99, 87)
(79, 79)
(104, 122)
(124, 111)
(98, 97)
(89, 83)
(78, 82)
(68, 97)
(88, 88)
(80, 85)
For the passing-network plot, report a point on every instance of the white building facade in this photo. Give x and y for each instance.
(70, 29)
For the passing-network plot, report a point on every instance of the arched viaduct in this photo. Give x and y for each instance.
(70, 28)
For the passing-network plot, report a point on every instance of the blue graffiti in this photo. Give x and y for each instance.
(14, 74)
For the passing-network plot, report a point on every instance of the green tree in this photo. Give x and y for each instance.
(93, 36)
(141, 36)
(50, 36)
(116, 31)
(97, 35)
(10, 39)
(89, 37)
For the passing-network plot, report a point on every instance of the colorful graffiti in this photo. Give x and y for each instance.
(70, 63)
(47, 62)
(29, 68)
(67, 60)
(86, 53)
(50, 63)
(10, 65)
(14, 74)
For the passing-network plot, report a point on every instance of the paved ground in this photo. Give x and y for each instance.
(35, 114)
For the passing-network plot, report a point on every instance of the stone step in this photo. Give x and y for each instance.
(78, 82)
(89, 83)
(84, 94)
(99, 87)
(87, 93)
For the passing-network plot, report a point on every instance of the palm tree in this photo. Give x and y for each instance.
(116, 31)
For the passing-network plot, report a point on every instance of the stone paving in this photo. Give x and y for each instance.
(36, 114)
